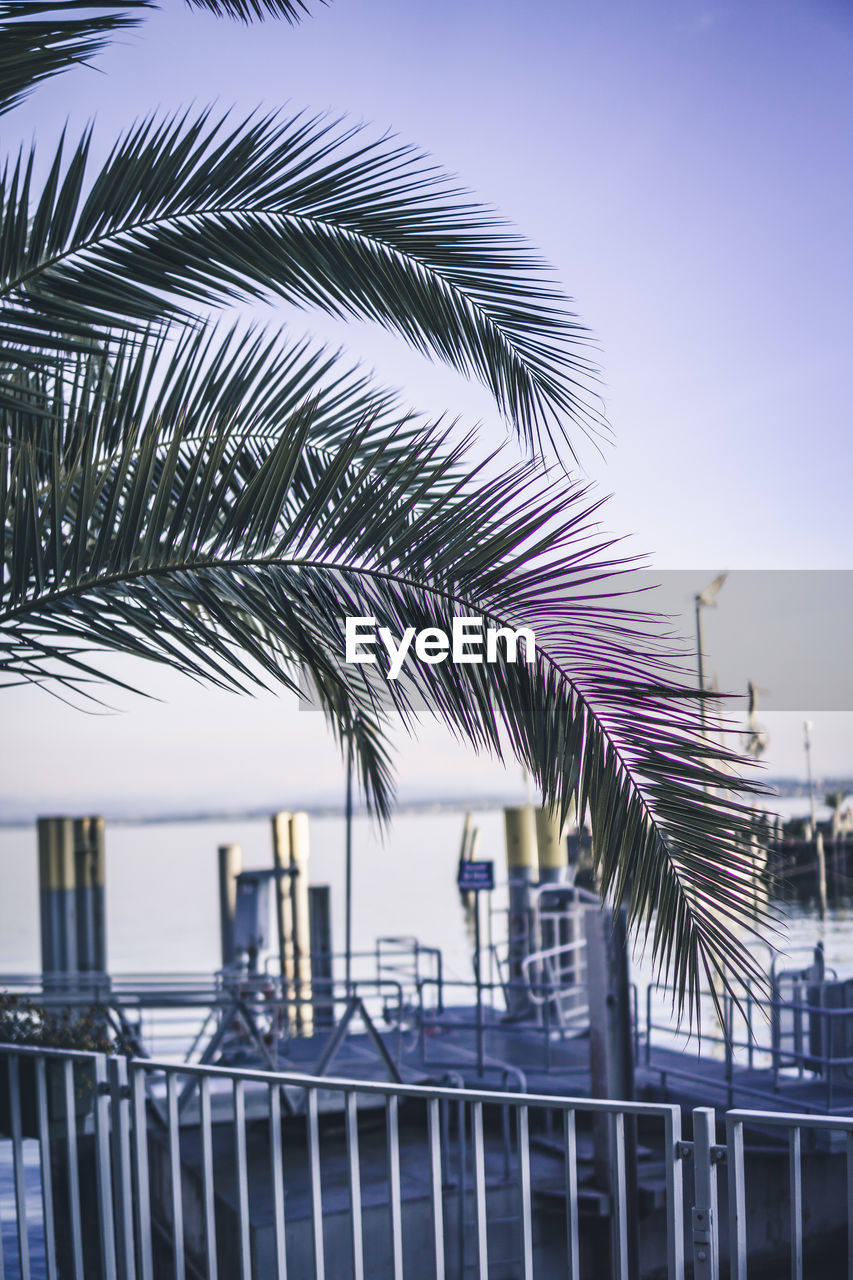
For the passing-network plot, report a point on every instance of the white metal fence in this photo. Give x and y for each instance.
(128, 1169)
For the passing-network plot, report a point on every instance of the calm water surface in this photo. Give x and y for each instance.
(162, 908)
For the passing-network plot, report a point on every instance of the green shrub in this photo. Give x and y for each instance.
(24, 1022)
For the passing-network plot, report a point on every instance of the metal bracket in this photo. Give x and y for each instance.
(703, 1221)
(684, 1151)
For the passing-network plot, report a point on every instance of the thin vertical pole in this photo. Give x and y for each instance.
(480, 1219)
(179, 1261)
(525, 1193)
(737, 1199)
(142, 1198)
(394, 1186)
(572, 1245)
(45, 1161)
(242, 1170)
(705, 1217)
(795, 1185)
(208, 1195)
(849, 1205)
(674, 1196)
(478, 975)
(700, 660)
(436, 1190)
(103, 1163)
(313, 1123)
(348, 946)
(277, 1170)
(73, 1168)
(354, 1170)
(123, 1178)
(18, 1175)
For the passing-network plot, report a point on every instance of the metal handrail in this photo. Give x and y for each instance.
(125, 1148)
(493, 1129)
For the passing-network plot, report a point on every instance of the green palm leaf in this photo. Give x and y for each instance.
(234, 554)
(38, 40)
(292, 11)
(189, 213)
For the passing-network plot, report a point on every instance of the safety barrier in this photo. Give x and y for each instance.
(129, 1169)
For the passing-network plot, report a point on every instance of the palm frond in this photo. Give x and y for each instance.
(194, 212)
(38, 40)
(293, 11)
(193, 377)
(147, 545)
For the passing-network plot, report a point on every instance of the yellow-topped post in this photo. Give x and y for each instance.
(57, 900)
(300, 852)
(552, 847)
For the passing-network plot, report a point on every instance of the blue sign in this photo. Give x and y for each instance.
(475, 876)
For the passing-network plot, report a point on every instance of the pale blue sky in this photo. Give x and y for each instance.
(685, 166)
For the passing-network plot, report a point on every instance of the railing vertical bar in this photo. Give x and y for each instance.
(242, 1170)
(571, 1150)
(674, 1196)
(480, 1191)
(175, 1175)
(142, 1199)
(18, 1176)
(123, 1177)
(619, 1193)
(849, 1205)
(737, 1199)
(436, 1193)
(207, 1178)
(525, 1192)
(45, 1165)
(705, 1215)
(354, 1177)
(277, 1171)
(103, 1168)
(394, 1192)
(73, 1168)
(795, 1183)
(2, 1268)
(461, 1236)
(316, 1186)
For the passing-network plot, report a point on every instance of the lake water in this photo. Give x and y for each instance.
(162, 905)
(162, 910)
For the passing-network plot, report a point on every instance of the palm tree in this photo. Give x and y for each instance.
(220, 501)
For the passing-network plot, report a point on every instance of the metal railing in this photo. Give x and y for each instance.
(792, 1042)
(272, 1174)
(793, 1128)
(180, 1015)
(269, 1175)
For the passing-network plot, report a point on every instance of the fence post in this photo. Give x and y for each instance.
(103, 1168)
(122, 1175)
(706, 1222)
(737, 1198)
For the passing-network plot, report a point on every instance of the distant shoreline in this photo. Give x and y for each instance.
(318, 809)
(792, 788)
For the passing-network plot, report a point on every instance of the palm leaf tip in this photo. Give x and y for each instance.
(293, 11)
(39, 40)
(354, 227)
